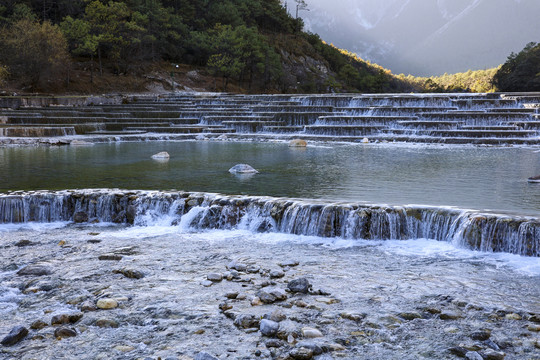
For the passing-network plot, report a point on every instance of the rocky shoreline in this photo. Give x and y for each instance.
(101, 293)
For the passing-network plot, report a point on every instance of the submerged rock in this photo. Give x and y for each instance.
(243, 169)
(106, 304)
(298, 143)
(15, 335)
(34, 270)
(535, 179)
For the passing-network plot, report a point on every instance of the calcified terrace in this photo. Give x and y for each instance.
(494, 119)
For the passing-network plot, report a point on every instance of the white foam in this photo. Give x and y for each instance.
(33, 226)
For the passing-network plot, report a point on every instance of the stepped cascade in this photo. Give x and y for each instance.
(199, 211)
(495, 119)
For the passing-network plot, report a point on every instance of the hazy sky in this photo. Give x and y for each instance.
(426, 37)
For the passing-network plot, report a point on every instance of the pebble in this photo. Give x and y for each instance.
(274, 343)
(256, 301)
(124, 348)
(353, 316)
(110, 257)
(481, 335)
(268, 328)
(410, 315)
(458, 351)
(38, 325)
(231, 295)
(276, 315)
(266, 297)
(129, 273)
(311, 333)
(16, 334)
(253, 269)
(449, 315)
(106, 323)
(34, 270)
(534, 328)
(513, 316)
(301, 353)
(316, 349)
(207, 283)
(276, 274)
(237, 266)
(300, 285)
(64, 332)
(289, 263)
(23, 243)
(246, 321)
(107, 303)
(88, 306)
(326, 300)
(491, 354)
(214, 277)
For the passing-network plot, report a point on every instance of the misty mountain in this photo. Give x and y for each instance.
(426, 37)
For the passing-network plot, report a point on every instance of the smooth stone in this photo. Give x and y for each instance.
(237, 266)
(297, 143)
(276, 274)
(316, 349)
(473, 355)
(242, 169)
(410, 315)
(16, 334)
(289, 263)
(490, 354)
(534, 328)
(353, 316)
(274, 343)
(276, 315)
(207, 283)
(161, 155)
(224, 306)
(301, 353)
(458, 351)
(256, 301)
(513, 316)
(253, 269)
(481, 335)
(110, 257)
(38, 325)
(88, 306)
(106, 304)
(365, 140)
(106, 323)
(246, 321)
(214, 277)
(311, 333)
(266, 297)
(300, 285)
(268, 328)
(35, 270)
(231, 295)
(449, 315)
(124, 348)
(130, 273)
(64, 332)
(23, 243)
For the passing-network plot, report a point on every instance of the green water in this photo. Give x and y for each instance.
(464, 177)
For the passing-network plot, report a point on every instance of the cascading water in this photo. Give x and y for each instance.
(197, 211)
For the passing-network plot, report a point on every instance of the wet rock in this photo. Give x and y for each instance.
(287, 329)
(110, 257)
(300, 285)
(276, 274)
(473, 355)
(130, 273)
(491, 354)
(458, 351)
(274, 343)
(289, 263)
(23, 243)
(449, 315)
(224, 306)
(268, 328)
(492, 345)
(353, 316)
(38, 325)
(433, 311)
(481, 335)
(34, 270)
(64, 332)
(106, 323)
(301, 353)
(93, 241)
(535, 318)
(276, 315)
(231, 295)
(322, 292)
(266, 297)
(233, 265)
(107, 303)
(513, 316)
(315, 348)
(242, 169)
(80, 217)
(534, 328)
(161, 156)
(206, 283)
(66, 319)
(246, 321)
(410, 315)
(311, 333)
(88, 306)
(205, 356)
(16, 334)
(256, 301)
(124, 348)
(214, 277)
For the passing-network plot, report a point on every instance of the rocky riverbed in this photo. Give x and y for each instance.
(114, 293)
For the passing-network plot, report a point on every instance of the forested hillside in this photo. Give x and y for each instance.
(234, 45)
(521, 72)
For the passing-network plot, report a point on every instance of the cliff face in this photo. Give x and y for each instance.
(426, 37)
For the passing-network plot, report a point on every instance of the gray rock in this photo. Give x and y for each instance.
(34, 270)
(231, 295)
(233, 265)
(275, 343)
(106, 323)
(110, 257)
(205, 356)
(300, 285)
(207, 283)
(214, 277)
(490, 354)
(268, 327)
(253, 269)
(301, 353)
(481, 335)
(129, 273)
(473, 355)
(38, 325)
(289, 263)
(246, 321)
(64, 332)
(449, 315)
(242, 169)
(353, 316)
(88, 306)
(288, 328)
(276, 315)
(535, 318)
(266, 297)
(316, 349)
(23, 243)
(15, 335)
(410, 315)
(458, 351)
(276, 274)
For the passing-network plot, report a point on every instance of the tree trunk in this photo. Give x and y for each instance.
(100, 64)
(92, 68)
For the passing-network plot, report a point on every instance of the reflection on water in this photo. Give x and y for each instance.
(465, 177)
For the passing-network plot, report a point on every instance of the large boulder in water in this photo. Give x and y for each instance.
(161, 156)
(242, 169)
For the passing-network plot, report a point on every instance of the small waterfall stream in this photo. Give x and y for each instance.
(198, 211)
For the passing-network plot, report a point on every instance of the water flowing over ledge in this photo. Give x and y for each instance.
(199, 211)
